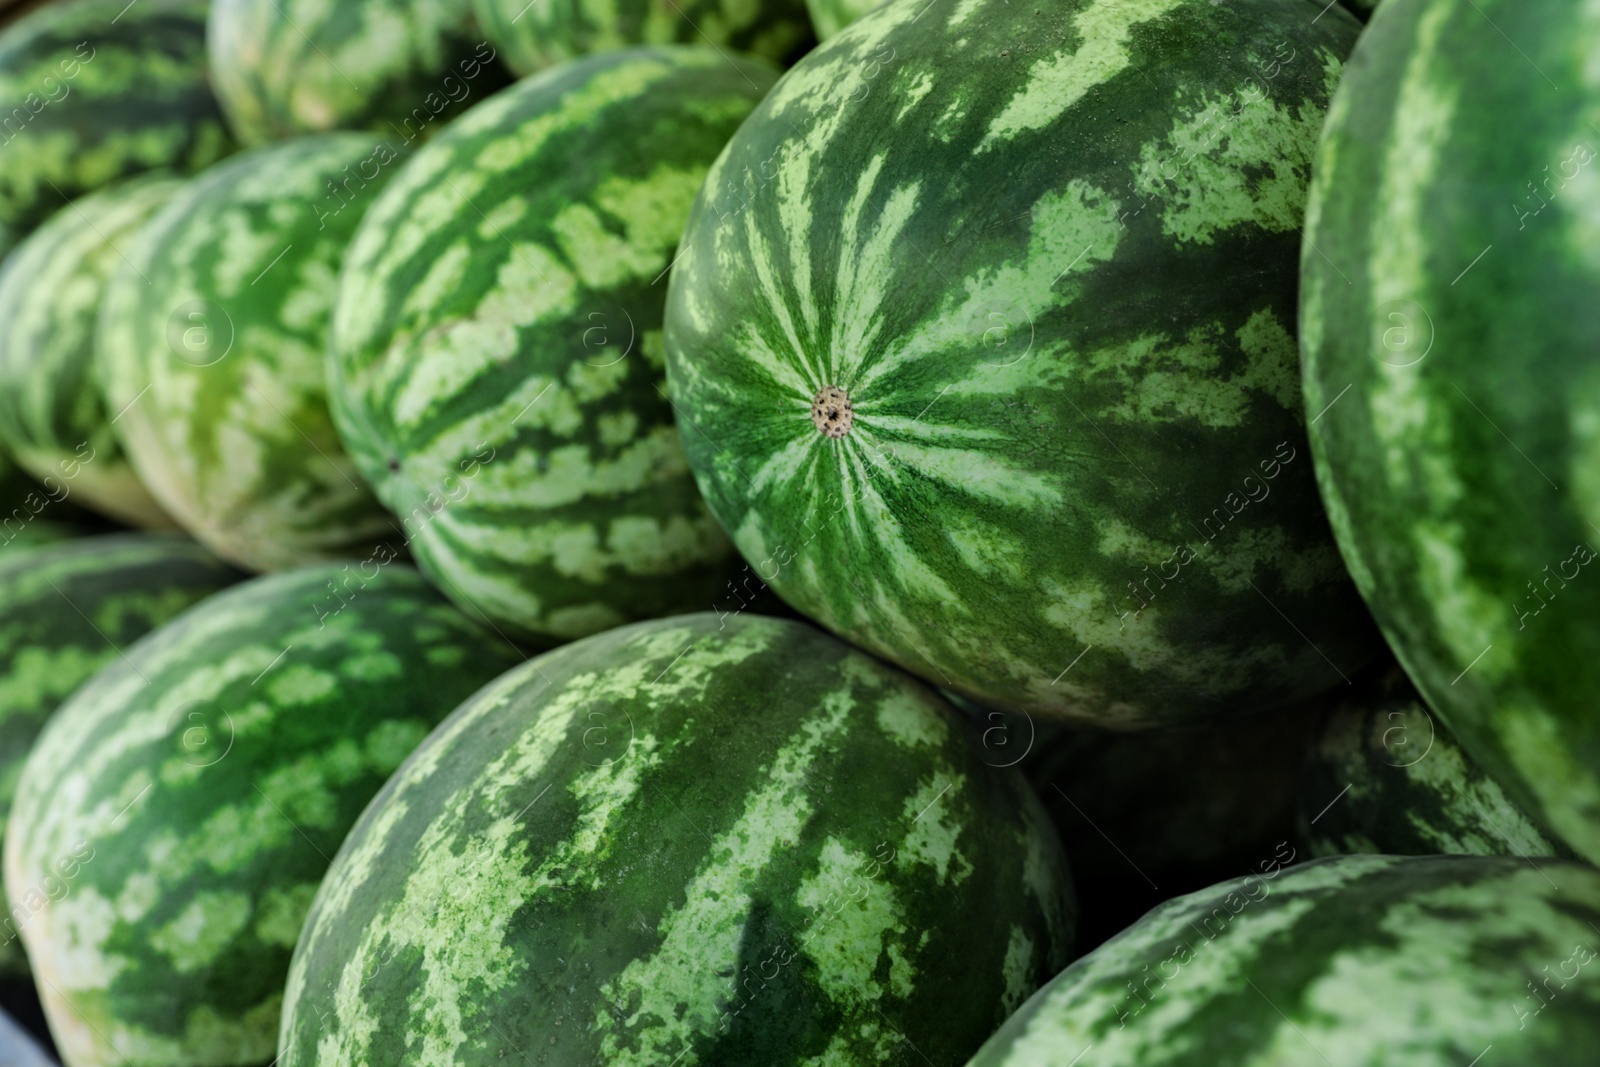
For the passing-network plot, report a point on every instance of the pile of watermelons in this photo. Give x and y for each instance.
(612, 533)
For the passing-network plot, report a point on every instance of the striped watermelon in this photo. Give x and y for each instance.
(1348, 962)
(402, 67)
(91, 90)
(211, 344)
(67, 611)
(690, 842)
(51, 415)
(1009, 396)
(190, 795)
(496, 346)
(533, 36)
(1446, 324)
(1385, 776)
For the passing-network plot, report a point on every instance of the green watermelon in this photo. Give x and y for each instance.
(1446, 324)
(533, 36)
(496, 369)
(1353, 961)
(693, 841)
(187, 799)
(211, 344)
(831, 16)
(401, 67)
(1386, 776)
(92, 90)
(1008, 396)
(67, 611)
(51, 415)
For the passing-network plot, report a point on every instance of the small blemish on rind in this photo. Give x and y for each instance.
(831, 411)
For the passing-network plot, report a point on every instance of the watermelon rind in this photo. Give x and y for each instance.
(68, 610)
(1348, 961)
(534, 36)
(211, 345)
(496, 368)
(177, 815)
(981, 343)
(403, 68)
(1447, 310)
(52, 418)
(94, 90)
(1385, 775)
(695, 840)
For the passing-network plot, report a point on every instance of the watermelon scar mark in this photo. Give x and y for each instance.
(832, 413)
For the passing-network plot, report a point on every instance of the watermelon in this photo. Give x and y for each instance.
(765, 847)
(211, 344)
(961, 398)
(401, 67)
(92, 90)
(187, 799)
(1386, 776)
(1347, 961)
(1445, 322)
(51, 415)
(496, 348)
(67, 611)
(533, 36)
(831, 16)
(1146, 816)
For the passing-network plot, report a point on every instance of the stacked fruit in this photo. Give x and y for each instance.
(621, 534)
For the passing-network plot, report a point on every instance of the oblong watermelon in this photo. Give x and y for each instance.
(176, 816)
(93, 90)
(400, 67)
(1350, 961)
(1386, 776)
(533, 36)
(1009, 396)
(211, 343)
(692, 841)
(1447, 312)
(52, 418)
(496, 352)
(68, 610)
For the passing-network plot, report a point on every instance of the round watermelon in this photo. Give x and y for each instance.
(92, 90)
(1349, 961)
(68, 610)
(211, 344)
(1386, 776)
(51, 414)
(982, 353)
(691, 841)
(1447, 312)
(496, 352)
(401, 67)
(177, 815)
(533, 36)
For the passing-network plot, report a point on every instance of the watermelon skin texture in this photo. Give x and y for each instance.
(705, 841)
(212, 343)
(532, 37)
(90, 95)
(52, 417)
(400, 67)
(496, 369)
(1069, 374)
(1386, 776)
(68, 610)
(1458, 482)
(831, 16)
(1323, 963)
(270, 718)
